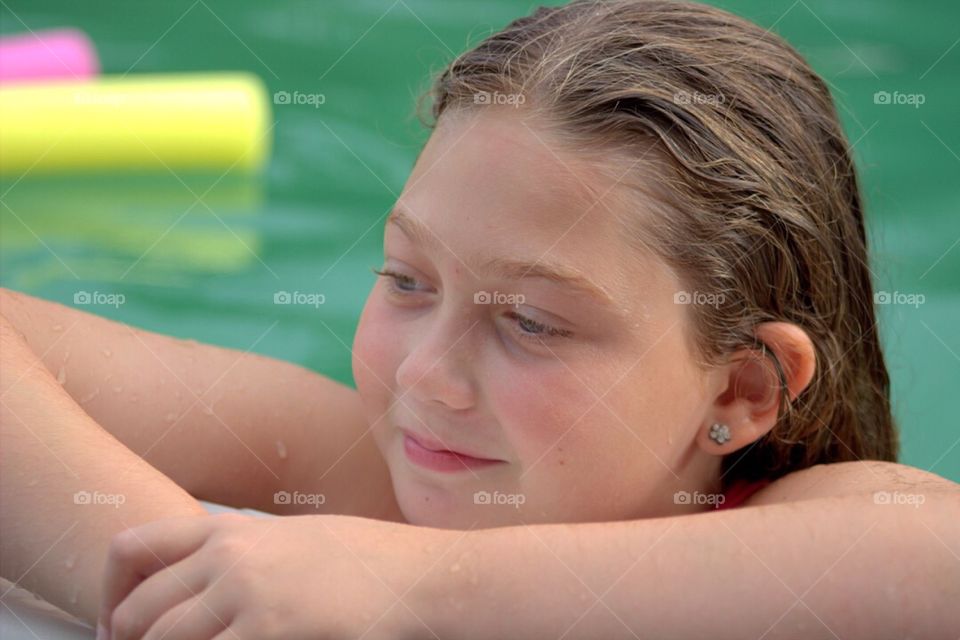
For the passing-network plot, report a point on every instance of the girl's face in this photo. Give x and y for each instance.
(518, 327)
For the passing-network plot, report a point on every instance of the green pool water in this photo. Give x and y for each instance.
(200, 257)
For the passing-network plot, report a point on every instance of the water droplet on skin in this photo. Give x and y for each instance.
(74, 594)
(90, 396)
(69, 562)
(117, 389)
(281, 450)
(170, 417)
(455, 567)
(57, 327)
(62, 375)
(32, 483)
(106, 353)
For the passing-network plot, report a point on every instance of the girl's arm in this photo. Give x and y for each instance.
(66, 485)
(849, 566)
(852, 565)
(228, 426)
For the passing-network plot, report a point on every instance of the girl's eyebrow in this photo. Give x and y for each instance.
(507, 268)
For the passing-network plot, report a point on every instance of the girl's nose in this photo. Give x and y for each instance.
(437, 368)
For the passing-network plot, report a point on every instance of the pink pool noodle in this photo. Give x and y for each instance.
(61, 54)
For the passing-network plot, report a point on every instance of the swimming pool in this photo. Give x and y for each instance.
(208, 267)
(203, 256)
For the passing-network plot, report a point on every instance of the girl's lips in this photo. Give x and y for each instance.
(441, 460)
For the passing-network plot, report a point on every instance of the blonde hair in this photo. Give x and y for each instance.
(762, 200)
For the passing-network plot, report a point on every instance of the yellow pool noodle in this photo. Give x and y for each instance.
(143, 122)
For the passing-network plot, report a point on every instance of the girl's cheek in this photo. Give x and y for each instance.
(376, 348)
(538, 409)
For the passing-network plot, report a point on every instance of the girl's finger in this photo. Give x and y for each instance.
(141, 551)
(155, 596)
(195, 619)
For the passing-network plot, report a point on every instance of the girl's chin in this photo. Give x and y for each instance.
(445, 507)
(423, 509)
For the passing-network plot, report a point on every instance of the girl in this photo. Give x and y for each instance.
(625, 290)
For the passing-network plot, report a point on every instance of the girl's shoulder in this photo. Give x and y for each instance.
(844, 478)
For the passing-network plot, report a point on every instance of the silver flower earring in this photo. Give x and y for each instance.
(720, 433)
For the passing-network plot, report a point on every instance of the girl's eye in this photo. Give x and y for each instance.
(527, 328)
(530, 329)
(397, 280)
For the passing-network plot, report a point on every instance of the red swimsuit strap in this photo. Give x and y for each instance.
(739, 491)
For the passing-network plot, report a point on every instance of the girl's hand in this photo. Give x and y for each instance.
(240, 577)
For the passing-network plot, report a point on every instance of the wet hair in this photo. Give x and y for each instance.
(745, 180)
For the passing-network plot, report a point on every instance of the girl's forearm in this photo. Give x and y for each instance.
(270, 425)
(66, 486)
(824, 568)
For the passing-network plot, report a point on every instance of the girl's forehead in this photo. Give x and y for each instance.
(499, 161)
(493, 187)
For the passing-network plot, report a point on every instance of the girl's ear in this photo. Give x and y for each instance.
(749, 385)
